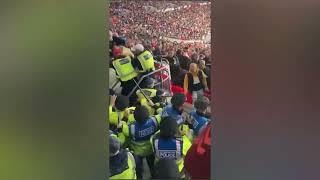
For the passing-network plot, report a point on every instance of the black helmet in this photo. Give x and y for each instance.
(122, 102)
(141, 114)
(168, 127)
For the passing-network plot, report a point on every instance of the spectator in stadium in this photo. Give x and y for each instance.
(206, 70)
(197, 161)
(195, 58)
(139, 134)
(122, 163)
(167, 144)
(166, 169)
(184, 60)
(195, 82)
(173, 60)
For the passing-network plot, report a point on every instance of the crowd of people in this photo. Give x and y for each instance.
(137, 21)
(146, 121)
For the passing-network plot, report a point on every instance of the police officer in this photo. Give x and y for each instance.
(125, 70)
(144, 59)
(122, 163)
(176, 108)
(119, 111)
(151, 97)
(168, 144)
(139, 134)
(166, 169)
(199, 118)
(175, 111)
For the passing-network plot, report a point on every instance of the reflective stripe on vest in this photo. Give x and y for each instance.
(150, 93)
(143, 132)
(146, 60)
(168, 152)
(124, 68)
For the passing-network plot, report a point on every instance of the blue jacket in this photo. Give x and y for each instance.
(172, 112)
(143, 132)
(198, 121)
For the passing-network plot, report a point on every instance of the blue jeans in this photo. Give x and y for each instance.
(139, 165)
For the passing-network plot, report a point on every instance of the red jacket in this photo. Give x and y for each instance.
(197, 161)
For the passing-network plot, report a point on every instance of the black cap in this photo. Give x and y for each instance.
(168, 127)
(122, 102)
(141, 114)
(178, 99)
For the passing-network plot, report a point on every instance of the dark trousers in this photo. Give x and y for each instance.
(127, 87)
(139, 165)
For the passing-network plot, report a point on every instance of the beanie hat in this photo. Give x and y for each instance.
(201, 103)
(178, 99)
(122, 102)
(141, 114)
(114, 146)
(168, 127)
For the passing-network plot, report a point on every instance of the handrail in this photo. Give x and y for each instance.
(163, 68)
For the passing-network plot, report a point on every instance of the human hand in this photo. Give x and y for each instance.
(126, 113)
(113, 100)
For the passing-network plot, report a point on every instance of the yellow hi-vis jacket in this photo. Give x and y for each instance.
(116, 116)
(150, 93)
(124, 68)
(146, 60)
(129, 173)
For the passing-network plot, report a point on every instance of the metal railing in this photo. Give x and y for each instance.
(164, 69)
